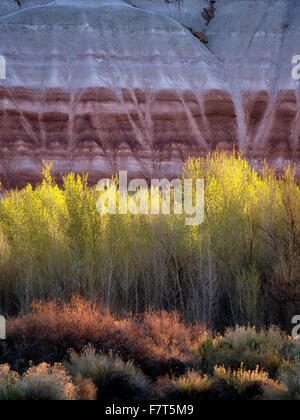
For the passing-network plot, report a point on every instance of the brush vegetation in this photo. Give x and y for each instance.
(241, 266)
(146, 307)
(81, 351)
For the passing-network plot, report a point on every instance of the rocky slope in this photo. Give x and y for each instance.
(103, 85)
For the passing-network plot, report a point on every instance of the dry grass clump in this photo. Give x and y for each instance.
(113, 378)
(247, 384)
(289, 377)
(85, 389)
(190, 386)
(223, 384)
(8, 381)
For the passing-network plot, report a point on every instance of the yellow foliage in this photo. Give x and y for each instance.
(56, 244)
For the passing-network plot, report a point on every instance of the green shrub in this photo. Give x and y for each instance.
(267, 349)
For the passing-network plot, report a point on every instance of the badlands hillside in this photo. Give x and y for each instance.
(103, 85)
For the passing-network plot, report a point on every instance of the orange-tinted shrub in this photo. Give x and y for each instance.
(157, 342)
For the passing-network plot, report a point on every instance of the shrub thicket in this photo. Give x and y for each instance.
(156, 355)
(241, 266)
(158, 342)
(269, 349)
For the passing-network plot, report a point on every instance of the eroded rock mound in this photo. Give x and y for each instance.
(103, 85)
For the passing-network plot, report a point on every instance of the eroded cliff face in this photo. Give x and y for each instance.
(103, 85)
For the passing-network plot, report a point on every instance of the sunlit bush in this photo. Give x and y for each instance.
(222, 384)
(248, 384)
(113, 378)
(158, 342)
(42, 382)
(192, 385)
